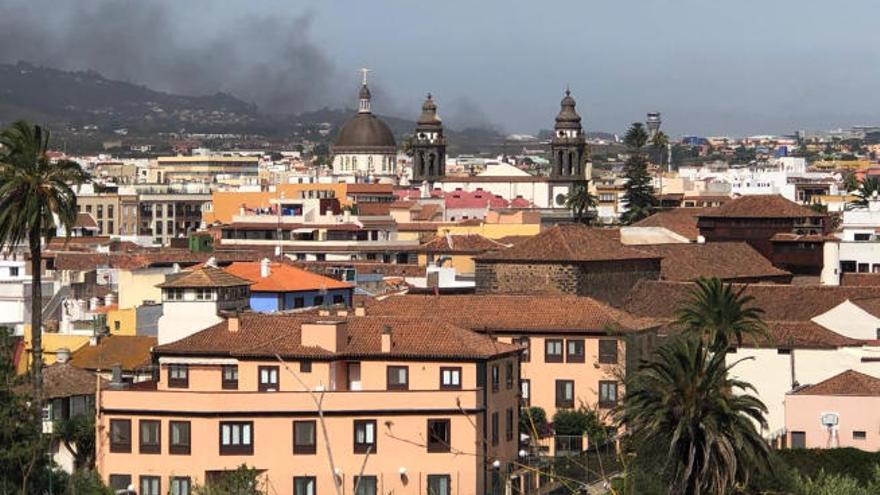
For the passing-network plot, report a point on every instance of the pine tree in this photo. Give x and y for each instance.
(638, 196)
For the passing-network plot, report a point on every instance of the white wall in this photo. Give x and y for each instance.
(182, 319)
(850, 320)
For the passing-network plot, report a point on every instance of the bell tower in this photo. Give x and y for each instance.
(568, 146)
(429, 145)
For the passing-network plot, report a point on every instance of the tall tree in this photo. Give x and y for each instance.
(638, 196)
(694, 426)
(580, 201)
(716, 311)
(34, 192)
(660, 144)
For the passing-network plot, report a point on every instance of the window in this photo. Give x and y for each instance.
(861, 237)
(364, 436)
(305, 366)
(553, 350)
(150, 485)
(439, 484)
(859, 435)
(508, 375)
(783, 351)
(575, 350)
(494, 428)
(178, 376)
(525, 390)
(120, 436)
(179, 437)
(268, 378)
(496, 377)
(607, 351)
(607, 394)
(299, 302)
(120, 481)
(230, 377)
(204, 295)
(304, 437)
(798, 440)
(318, 301)
(304, 485)
(338, 298)
(150, 434)
(398, 377)
(564, 393)
(180, 485)
(13, 271)
(508, 424)
(450, 378)
(365, 485)
(527, 344)
(439, 435)
(174, 294)
(236, 438)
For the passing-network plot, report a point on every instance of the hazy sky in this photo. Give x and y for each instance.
(711, 67)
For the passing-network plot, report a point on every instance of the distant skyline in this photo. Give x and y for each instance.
(725, 67)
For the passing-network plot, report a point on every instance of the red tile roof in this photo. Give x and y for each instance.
(860, 279)
(760, 206)
(204, 276)
(473, 200)
(86, 221)
(264, 335)
(568, 242)
(462, 243)
(788, 334)
(66, 380)
(283, 278)
(129, 351)
(514, 313)
(729, 261)
(682, 221)
(848, 383)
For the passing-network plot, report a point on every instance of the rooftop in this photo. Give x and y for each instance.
(283, 278)
(462, 243)
(67, 380)
(129, 351)
(849, 382)
(204, 276)
(729, 261)
(264, 335)
(760, 206)
(569, 242)
(682, 221)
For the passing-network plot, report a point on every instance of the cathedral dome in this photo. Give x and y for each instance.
(365, 132)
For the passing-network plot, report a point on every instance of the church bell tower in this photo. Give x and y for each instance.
(429, 146)
(568, 146)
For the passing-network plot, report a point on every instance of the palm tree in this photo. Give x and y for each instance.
(34, 191)
(866, 191)
(694, 426)
(659, 144)
(716, 310)
(580, 201)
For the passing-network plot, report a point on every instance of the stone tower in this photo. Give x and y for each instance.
(429, 145)
(568, 146)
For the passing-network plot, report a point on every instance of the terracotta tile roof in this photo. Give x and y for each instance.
(129, 351)
(205, 276)
(283, 278)
(514, 313)
(660, 299)
(369, 189)
(422, 226)
(373, 209)
(66, 380)
(849, 382)
(789, 334)
(791, 237)
(760, 206)
(86, 221)
(462, 243)
(513, 239)
(682, 221)
(860, 279)
(568, 242)
(473, 200)
(729, 261)
(428, 212)
(85, 261)
(387, 269)
(263, 335)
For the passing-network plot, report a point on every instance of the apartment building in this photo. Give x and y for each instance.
(115, 213)
(401, 416)
(168, 213)
(206, 169)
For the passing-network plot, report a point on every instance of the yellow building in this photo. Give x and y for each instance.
(498, 225)
(457, 251)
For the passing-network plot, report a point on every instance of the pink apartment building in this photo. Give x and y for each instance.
(423, 406)
(842, 411)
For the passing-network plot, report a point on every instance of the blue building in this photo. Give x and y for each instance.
(280, 287)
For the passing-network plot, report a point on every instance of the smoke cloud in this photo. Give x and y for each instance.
(179, 47)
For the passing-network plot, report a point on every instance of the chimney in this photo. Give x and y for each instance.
(93, 304)
(233, 324)
(175, 268)
(326, 334)
(360, 310)
(342, 313)
(323, 312)
(116, 377)
(108, 299)
(265, 269)
(212, 262)
(386, 339)
(62, 355)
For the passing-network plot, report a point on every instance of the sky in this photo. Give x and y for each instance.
(711, 67)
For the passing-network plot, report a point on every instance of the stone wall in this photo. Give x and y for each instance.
(608, 281)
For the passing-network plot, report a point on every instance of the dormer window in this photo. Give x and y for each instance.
(174, 294)
(204, 295)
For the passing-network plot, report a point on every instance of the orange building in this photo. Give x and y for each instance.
(226, 204)
(416, 406)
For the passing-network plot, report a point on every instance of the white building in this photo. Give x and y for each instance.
(859, 239)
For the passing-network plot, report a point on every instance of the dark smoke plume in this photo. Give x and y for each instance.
(180, 47)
